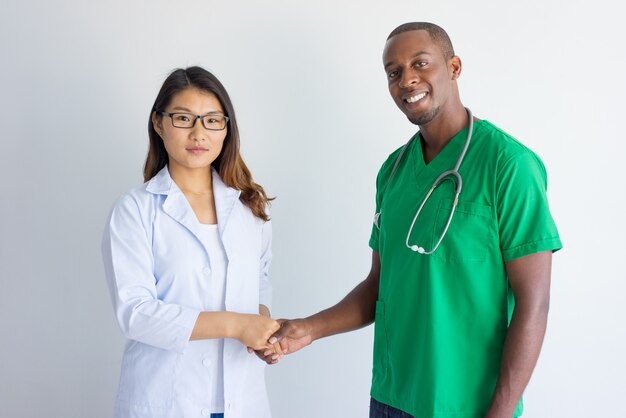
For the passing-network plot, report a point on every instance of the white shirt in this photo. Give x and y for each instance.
(210, 237)
(157, 269)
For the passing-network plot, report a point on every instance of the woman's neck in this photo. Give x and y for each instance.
(198, 181)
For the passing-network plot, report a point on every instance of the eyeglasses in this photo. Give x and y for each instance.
(212, 122)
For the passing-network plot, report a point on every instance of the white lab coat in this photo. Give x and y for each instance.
(156, 268)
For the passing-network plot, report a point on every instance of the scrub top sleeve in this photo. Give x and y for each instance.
(373, 242)
(265, 286)
(382, 180)
(128, 265)
(524, 220)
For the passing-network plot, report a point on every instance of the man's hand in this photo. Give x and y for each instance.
(293, 335)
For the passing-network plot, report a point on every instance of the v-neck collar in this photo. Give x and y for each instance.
(444, 161)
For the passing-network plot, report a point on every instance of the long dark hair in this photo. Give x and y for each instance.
(229, 164)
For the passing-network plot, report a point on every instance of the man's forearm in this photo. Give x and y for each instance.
(520, 353)
(354, 311)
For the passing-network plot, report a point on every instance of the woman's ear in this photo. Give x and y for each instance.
(157, 123)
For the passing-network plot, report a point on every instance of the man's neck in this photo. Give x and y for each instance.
(438, 133)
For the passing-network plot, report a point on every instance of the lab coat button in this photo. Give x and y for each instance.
(228, 406)
(206, 412)
(206, 362)
(206, 270)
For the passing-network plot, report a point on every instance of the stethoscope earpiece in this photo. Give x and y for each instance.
(417, 249)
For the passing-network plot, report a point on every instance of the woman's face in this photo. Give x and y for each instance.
(196, 147)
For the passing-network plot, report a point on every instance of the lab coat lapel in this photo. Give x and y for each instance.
(178, 208)
(225, 200)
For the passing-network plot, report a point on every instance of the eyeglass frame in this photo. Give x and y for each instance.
(169, 114)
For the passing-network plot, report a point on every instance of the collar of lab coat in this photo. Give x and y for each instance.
(177, 206)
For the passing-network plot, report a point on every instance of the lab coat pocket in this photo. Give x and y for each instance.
(381, 354)
(471, 233)
(149, 377)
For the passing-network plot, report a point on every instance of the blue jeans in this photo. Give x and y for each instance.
(217, 416)
(380, 410)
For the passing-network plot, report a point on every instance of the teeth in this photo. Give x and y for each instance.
(414, 99)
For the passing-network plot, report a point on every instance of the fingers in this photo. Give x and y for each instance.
(273, 353)
(274, 349)
(278, 353)
(281, 333)
(268, 355)
(272, 357)
(276, 358)
(278, 349)
(262, 346)
(265, 344)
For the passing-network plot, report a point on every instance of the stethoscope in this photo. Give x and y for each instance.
(442, 177)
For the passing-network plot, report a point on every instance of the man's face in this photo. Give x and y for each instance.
(420, 77)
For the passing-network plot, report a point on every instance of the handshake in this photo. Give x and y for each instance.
(271, 339)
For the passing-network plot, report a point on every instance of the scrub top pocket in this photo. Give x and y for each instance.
(471, 233)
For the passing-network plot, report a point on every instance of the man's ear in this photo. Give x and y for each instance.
(455, 66)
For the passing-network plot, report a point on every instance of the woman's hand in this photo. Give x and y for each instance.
(269, 355)
(254, 331)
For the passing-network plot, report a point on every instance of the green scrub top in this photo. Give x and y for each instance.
(441, 319)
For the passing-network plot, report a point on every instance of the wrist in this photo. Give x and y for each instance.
(314, 327)
(233, 323)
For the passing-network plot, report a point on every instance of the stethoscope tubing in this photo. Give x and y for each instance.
(436, 184)
(457, 191)
(440, 179)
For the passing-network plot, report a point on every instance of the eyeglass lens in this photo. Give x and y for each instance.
(187, 120)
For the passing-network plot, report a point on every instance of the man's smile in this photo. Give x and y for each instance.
(415, 97)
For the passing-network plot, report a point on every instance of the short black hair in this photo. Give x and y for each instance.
(437, 34)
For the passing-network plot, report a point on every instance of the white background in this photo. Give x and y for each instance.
(79, 78)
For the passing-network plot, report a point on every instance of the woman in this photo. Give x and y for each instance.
(186, 257)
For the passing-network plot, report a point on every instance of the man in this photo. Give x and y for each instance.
(459, 294)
